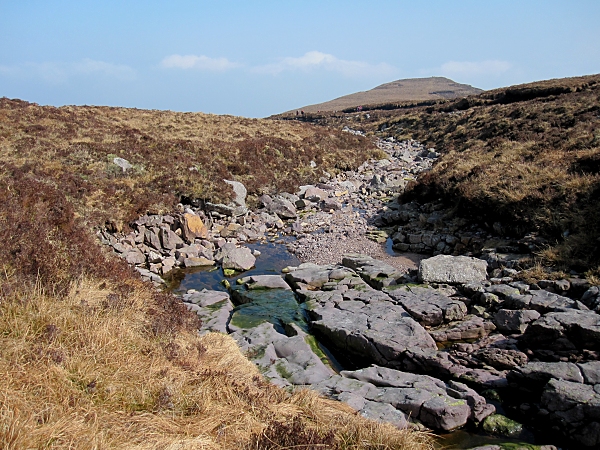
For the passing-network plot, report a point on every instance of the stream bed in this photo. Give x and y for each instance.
(270, 306)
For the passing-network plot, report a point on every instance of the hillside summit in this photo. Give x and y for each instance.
(410, 89)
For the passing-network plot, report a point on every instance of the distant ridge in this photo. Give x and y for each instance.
(410, 89)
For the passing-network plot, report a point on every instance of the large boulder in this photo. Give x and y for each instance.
(577, 328)
(279, 206)
(312, 275)
(255, 282)
(573, 409)
(512, 321)
(590, 371)
(192, 227)
(452, 269)
(534, 375)
(169, 239)
(237, 258)
(123, 164)
(240, 192)
(151, 238)
(500, 358)
(541, 301)
(437, 404)
(135, 257)
(314, 194)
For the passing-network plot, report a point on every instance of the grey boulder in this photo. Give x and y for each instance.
(513, 321)
(237, 258)
(380, 332)
(452, 269)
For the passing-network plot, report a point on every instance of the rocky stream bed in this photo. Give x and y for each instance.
(410, 315)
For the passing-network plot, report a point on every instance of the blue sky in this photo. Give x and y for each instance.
(257, 58)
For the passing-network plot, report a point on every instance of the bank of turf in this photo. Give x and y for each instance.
(91, 357)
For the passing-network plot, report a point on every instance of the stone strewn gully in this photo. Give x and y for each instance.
(426, 343)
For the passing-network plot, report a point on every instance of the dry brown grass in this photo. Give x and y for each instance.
(86, 371)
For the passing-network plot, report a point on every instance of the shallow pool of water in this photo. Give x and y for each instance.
(273, 258)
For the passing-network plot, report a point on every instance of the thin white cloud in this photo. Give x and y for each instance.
(198, 62)
(469, 68)
(120, 71)
(315, 60)
(56, 72)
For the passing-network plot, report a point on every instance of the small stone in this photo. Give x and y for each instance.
(500, 425)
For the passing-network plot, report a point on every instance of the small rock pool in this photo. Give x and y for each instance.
(273, 258)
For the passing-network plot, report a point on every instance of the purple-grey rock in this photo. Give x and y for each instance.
(452, 269)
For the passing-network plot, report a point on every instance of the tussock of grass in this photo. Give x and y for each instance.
(86, 371)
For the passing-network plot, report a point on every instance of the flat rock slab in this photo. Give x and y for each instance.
(376, 273)
(535, 375)
(590, 371)
(514, 321)
(380, 332)
(473, 327)
(485, 379)
(284, 360)
(501, 359)
(580, 328)
(541, 301)
(575, 409)
(310, 276)
(212, 307)
(428, 306)
(437, 404)
(502, 290)
(255, 282)
(452, 269)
